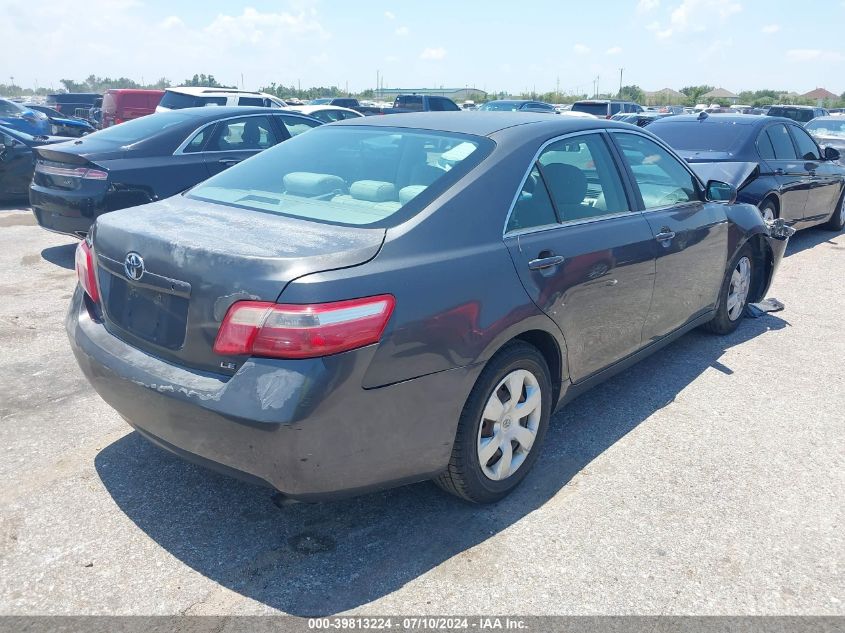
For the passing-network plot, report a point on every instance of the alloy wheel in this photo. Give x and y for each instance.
(509, 424)
(738, 291)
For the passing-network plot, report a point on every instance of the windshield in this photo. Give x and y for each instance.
(827, 128)
(802, 115)
(700, 136)
(320, 101)
(345, 175)
(501, 106)
(140, 129)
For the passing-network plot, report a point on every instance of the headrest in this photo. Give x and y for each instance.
(373, 190)
(567, 184)
(406, 194)
(304, 183)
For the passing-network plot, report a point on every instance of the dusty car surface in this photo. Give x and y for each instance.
(389, 300)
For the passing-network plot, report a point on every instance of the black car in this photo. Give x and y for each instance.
(640, 119)
(798, 113)
(17, 161)
(399, 298)
(149, 158)
(774, 162)
(517, 105)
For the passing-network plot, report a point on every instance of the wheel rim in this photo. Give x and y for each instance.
(768, 214)
(738, 291)
(509, 424)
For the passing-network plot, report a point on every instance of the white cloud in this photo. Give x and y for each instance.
(614, 51)
(664, 34)
(771, 28)
(390, 15)
(696, 15)
(644, 6)
(433, 54)
(653, 26)
(255, 27)
(391, 59)
(171, 22)
(813, 54)
(402, 31)
(581, 49)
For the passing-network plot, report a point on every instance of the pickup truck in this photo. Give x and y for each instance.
(352, 104)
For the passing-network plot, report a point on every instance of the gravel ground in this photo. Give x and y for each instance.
(706, 480)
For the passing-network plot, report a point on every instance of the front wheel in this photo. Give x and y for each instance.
(502, 426)
(733, 296)
(768, 211)
(837, 220)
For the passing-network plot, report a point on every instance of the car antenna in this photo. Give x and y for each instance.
(702, 115)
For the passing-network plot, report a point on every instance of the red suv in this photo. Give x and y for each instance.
(125, 104)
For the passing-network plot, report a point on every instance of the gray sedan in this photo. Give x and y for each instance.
(393, 299)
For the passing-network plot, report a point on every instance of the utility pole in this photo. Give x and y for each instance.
(620, 82)
(557, 89)
(377, 85)
(598, 77)
(242, 81)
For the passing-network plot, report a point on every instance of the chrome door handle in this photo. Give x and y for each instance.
(545, 262)
(229, 161)
(665, 236)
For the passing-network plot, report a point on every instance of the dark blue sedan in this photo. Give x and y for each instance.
(773, 162)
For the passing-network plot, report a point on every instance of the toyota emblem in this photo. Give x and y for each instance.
(133, 266)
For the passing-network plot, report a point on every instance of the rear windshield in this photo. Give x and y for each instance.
(10, 108)
(596, 109)
(698, 136)
(136, 130)
(346, 175)
(501, 106)
(802, 115)
(827, 127)
(179, 100)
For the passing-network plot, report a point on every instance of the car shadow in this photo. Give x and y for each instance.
(321, 559)
(63, 256)
(809, 238)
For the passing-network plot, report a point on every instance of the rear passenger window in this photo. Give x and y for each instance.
(782, 144)
(764, 146)
(243, 134)
(533, 206)
(582, 178)
(196, 143)
(296, 125)
(250, 101)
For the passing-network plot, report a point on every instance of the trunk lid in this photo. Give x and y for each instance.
(198, 259)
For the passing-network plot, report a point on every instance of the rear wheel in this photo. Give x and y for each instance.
(502, 426)
(837, 220)
(733, 297)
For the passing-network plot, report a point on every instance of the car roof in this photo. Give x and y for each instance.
(206, 90)
(736, 119)
(218, 112)
(307, 109)
(134, 90)
(481, 123)
(796, 107)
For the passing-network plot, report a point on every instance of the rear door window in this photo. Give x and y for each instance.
(782, 144)
(765, 147)
(409, 102)
(533, 206)
(250, 101)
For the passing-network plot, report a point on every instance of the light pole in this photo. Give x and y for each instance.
(620, 82)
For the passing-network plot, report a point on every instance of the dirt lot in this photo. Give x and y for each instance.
(707, 480)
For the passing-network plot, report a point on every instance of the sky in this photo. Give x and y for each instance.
(489, 44)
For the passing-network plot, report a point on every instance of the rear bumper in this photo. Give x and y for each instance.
(305, 427)
(69, 212)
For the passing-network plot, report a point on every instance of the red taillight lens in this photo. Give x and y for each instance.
(302, 331)
(72, 172)
(86, 272)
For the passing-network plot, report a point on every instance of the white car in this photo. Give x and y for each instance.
(197, 97)
(580, 115)
(326, 113)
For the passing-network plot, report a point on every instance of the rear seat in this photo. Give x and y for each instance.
(371, 194)
(311, 185)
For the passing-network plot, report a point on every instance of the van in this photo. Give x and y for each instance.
(605, 108)
(125, 104)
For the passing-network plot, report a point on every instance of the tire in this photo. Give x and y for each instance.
(465, 476)
(768, 210)
(837, 220)
(738, 281)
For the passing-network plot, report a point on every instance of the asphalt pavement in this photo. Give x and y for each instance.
(706, 480)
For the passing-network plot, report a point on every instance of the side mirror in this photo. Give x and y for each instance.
(831, 153)
(7, 142)
(718, 191)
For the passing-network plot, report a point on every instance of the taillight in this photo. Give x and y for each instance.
(302, 331)
(72, 172)
(85, 271)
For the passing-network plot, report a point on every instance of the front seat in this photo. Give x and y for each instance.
(251, 137)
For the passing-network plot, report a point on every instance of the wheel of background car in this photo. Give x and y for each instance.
(768, 211)
(735, 293)
(837, 220)
(502, 426)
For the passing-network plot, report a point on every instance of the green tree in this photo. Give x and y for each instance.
(632, 93)
(694, 93)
